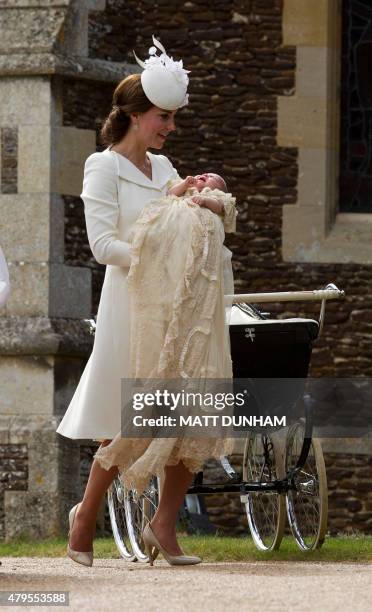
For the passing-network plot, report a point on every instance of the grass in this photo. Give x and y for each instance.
(212, 548)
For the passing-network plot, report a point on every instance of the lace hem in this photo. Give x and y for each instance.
(138, 460)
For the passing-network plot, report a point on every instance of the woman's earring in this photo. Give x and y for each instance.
(136, 126)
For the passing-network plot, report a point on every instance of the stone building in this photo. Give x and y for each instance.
(279, 104)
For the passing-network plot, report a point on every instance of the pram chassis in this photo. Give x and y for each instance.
(288, 484)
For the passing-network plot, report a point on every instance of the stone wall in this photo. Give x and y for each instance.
(350, 493)
(8, 170)
(13, 474)
(84, 107)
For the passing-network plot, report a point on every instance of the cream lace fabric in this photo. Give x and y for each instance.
(179, 274)
(227, 199)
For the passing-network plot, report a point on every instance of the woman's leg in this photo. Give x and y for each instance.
(82, 535)
(177, 480)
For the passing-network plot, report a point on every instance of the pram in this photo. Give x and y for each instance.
(282, 473)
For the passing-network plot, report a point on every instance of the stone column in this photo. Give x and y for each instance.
(45, 334)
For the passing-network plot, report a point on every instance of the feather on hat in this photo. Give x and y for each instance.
(164, 81)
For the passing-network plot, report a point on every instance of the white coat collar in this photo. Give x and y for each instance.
(127, 170)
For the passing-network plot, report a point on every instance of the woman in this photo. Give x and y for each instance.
(117, 184)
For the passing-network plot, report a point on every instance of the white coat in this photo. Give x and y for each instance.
(114, 193)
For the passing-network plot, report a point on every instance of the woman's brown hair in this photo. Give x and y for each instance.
(128, 98)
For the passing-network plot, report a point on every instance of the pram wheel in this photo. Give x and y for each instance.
(139, 510)
(115, 499)
(263, 463)
(307, 504)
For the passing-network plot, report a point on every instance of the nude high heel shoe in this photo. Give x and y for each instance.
(151, 541)
(85, 558)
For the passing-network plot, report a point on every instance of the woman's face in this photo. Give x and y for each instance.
(155, 125)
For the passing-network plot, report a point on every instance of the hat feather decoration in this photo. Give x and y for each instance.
(164, 81)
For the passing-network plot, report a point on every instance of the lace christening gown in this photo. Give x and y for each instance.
(180, 271)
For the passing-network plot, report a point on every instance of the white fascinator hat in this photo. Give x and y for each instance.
(164, 81)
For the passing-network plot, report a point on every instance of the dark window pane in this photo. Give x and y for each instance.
(356, 107)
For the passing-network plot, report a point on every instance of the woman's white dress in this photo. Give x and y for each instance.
(115, 192)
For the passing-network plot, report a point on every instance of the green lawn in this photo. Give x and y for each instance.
(212, 548)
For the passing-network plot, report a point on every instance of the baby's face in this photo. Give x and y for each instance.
(208, 179)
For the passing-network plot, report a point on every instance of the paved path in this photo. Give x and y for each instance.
(113, 584)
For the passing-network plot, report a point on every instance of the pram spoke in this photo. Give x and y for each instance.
(307, 500)
(262, 463)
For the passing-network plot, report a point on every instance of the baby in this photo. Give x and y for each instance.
(199, 182)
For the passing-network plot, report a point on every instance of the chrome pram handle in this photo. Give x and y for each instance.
(330, 292)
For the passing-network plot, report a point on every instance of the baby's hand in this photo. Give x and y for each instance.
(198, 199)
(190, 181)
(212, 203)
(179, 188)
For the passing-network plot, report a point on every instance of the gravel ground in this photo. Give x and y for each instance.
(113, 584)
